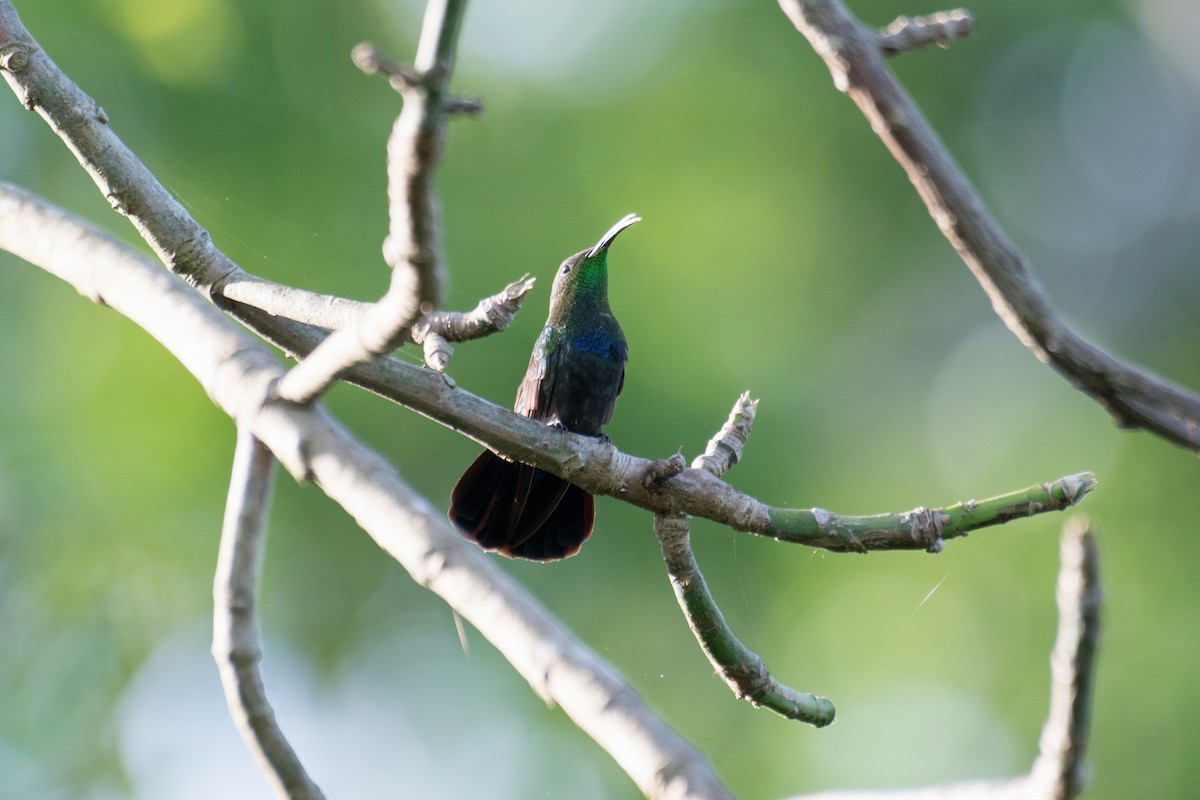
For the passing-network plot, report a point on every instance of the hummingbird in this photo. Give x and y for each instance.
(575, 373)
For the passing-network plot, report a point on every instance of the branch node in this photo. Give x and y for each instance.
(437, 351)
(927, 525)
(468, 106)
(659, 472)
(14, 58)
(1077, 486)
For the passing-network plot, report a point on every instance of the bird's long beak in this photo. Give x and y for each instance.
(608, 237)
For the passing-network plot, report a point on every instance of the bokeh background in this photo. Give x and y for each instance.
(782, 251)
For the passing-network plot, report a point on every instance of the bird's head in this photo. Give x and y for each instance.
(585, 274)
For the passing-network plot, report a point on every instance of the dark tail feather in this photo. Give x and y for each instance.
(521, 511)
(564, 531)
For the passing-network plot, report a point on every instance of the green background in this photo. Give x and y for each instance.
(782, 251)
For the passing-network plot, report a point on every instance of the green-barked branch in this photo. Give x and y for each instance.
(738, 665)
(922, 528)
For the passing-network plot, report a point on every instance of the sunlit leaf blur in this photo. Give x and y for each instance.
(782, 252)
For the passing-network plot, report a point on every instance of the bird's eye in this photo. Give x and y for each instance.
(565, 269)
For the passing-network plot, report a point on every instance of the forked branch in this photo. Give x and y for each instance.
(738, 665)
(412, 247)
(854, 55)
(238, 372)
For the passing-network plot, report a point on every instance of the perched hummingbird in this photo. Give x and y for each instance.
(575, 373)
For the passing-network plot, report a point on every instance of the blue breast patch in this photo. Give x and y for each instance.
(594, 342)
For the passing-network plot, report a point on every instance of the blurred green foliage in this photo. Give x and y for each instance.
(782, 251)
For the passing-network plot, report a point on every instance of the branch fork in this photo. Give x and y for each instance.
(372, 61)
(854, 54)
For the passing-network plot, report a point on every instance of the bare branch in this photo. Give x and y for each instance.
(319, 310)
(599, 468)
(437, 329)
(413, 150)
(1059, 769)
(1135, 398)
(411, 248)
(491, 315)
(238, 373)
(740, 667)
(237, 644)
(906, 34)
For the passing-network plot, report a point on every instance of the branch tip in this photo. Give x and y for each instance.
(372, 61)
(726, 446)
(659, 472)
(740, 667)
(468, 106)
(438, 351)
(906, 34)
(14, 58)
(1077, 486)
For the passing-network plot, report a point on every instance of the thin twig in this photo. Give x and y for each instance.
(906, 34)
(435, 330)
(413, 151)
(491, 315)
(922, 528)
(411, 248)
(237, 644)
(1135, 398)
(372, 61)
(238, 371)
(738, 665)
